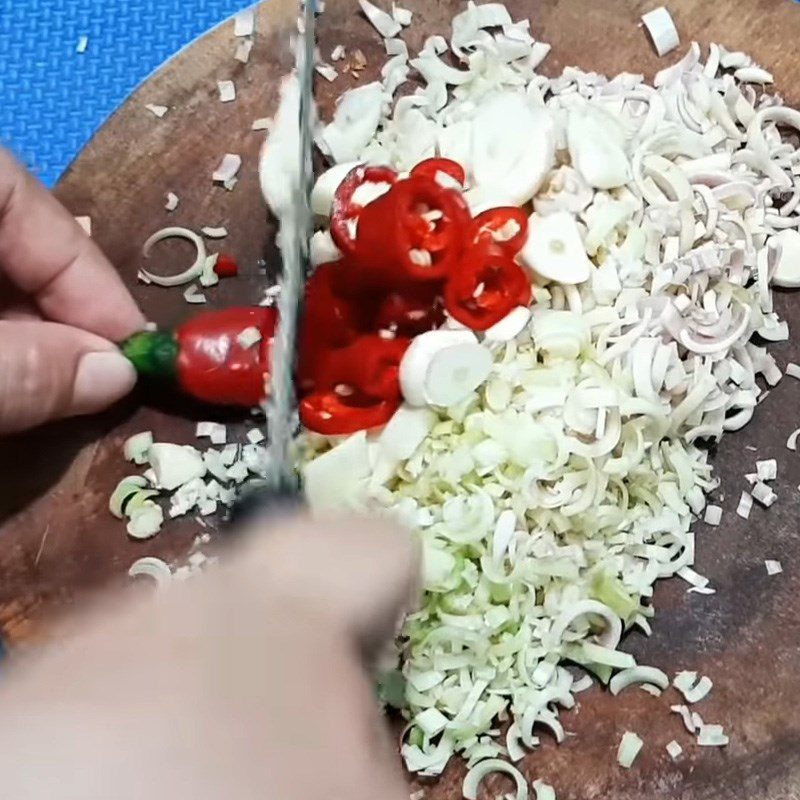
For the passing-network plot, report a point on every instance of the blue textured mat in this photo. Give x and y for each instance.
(53, 98)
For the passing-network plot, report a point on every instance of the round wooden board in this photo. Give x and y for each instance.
(58, 543)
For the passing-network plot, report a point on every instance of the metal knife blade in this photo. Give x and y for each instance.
(296, 229)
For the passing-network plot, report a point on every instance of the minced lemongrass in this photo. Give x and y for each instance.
(773, 567)
(628, 750)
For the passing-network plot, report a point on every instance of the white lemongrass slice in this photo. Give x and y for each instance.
(175, 464)
(510, 326)
(328, 71)
(214, 232)
(357, 116)
(791, 442)
(402, 15)
(473, 778)
(215, 431)
(194, 296)
(674, 750)
(753, 75)
(125, 489)
(712, 736)
(443, 373)
(172, 201)
(136, 447)
(244, 23)
(188, 274)
(609, 638)
(503, 532)
(745, 505)
(787, 270)
(713, 515)
(544, 791)
(406, 431)
(628, 750)
(323, 249)
(249, 337)
(628, 677)
(763, 494)
(767, 470)
(686, 716)
(158, 111)
(153, 568)
(337, 480)
(228, 169)
(554, 249)
(773, 567)
(662, 30)
(693, 690)
(243, 50)
(338, 52)
(261, 124)
(227, 91)
(146, 521)
(384, 23)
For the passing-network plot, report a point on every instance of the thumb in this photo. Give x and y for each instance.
(50, 371)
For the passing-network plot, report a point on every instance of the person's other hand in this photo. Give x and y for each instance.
(246, 682)
(62, 306)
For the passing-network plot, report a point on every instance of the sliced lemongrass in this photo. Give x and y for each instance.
(136, 447)
(745, 505)
(249, 337)
(227, 91)
(474, 776)
(674, 750)
(153, 568)
(194, 296)
(628, 749)
(188, 274)
(125, 489)
(381, 21)
(773, 567)
(228, 169)
(146, 521)
(662, 30)
(713, 515)
(243, 51)
(244, 23)
(628, 677)
(787, 269)
(175, 464)
(211, 232)
(510, 326)
(158, 111)
(712, 736)
(215, 431)
(172, 201)
(692, 689)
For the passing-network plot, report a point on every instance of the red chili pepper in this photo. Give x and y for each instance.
(415, 232)
(329, 322)
(506, 226)
(429, 168)
(487, 285)
(333, 414)
(345, 214)
(205, 357)
(412, 310)
(370, 366)
(226, 267)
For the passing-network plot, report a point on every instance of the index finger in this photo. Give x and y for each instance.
(46, 253)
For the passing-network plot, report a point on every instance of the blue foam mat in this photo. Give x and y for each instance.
(52, 99)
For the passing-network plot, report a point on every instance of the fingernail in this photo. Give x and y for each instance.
(101, 379)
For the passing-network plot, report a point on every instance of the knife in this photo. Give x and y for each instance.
(280, 490)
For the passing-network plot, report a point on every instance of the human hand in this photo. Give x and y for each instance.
(247, 682)
(62, 306)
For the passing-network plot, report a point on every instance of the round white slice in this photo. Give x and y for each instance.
(151, 567)
(787, 270)
(326, 186)
(417, 361)
(455, 372)
(554, 249)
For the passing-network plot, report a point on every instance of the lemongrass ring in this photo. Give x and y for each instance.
(188, 274)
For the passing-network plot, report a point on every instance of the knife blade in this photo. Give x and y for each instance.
(296, 229)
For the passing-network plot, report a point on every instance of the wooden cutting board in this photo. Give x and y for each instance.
(58, 542)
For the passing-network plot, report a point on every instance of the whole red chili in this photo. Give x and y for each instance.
(415, 232)
(333, 414)
(370, 366)
(431, 166)
(506, 226)
(345, 213)
(205, 357)
(486, 287)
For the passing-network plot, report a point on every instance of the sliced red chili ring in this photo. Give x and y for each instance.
(370, 365)
(431, 166)
(506, 226)
(333, 414)
(415, 232)
(487, 285)
(412, 310)
(344, 213)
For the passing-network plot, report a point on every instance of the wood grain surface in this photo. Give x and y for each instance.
(58, 543)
